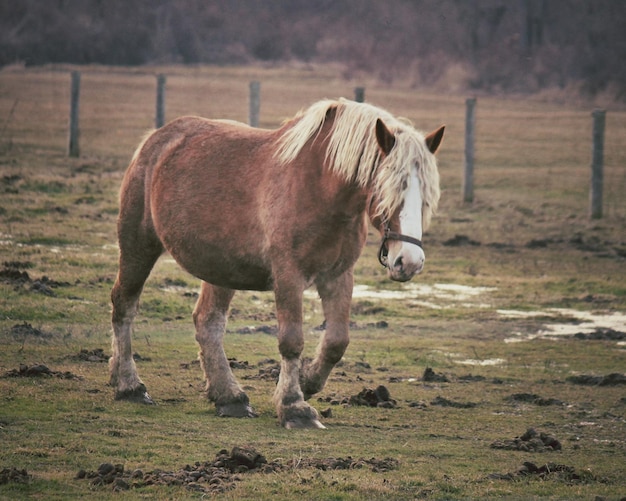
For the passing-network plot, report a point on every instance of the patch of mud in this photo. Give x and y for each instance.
(471, 378)
(334, 399)
(236, 364)
(535, 399)
(460, 241)
(24, 330)
(431, 376)
(601, 248)
(12, 275)
(549, 471)
(213, 477)
(14, 475)
(38, 370)
(272, 330)
(601, 334)
(367, 397)
(379, 397)
(444, 402)
(269, 370)
(531, 441)
(96, 355)
(45, 285)
(605, 249)
(539, 243)
(140, 358)
(221, 474)
(614, 379)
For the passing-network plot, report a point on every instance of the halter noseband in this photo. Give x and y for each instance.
(392, 235)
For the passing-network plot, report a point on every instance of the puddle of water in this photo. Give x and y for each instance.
(430, 296)
(482, 363)
(567, 322)
(585, 322)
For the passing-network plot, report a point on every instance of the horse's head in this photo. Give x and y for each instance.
(408, 156)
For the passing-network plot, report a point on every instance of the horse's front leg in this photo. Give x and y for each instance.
(209, 317)
(336, 296)
(293, 411)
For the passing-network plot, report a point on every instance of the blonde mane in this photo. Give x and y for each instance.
(353, 152)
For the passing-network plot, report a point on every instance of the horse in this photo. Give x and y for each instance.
(280, 210)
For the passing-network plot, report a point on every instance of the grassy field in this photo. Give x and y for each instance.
(503, 277)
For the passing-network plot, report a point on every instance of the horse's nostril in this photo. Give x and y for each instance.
(398, 263)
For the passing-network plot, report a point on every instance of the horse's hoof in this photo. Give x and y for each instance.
(298, 416)
(138, 395)
(236, 409)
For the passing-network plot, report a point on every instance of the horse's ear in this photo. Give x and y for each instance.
(384, 136)
(433, 140)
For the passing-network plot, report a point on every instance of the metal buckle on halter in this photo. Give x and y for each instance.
(383, 251)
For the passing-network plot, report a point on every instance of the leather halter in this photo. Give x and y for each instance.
(383, 251)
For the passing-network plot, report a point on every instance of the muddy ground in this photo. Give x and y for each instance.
(229, 467)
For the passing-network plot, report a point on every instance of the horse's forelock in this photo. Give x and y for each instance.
(391, 180)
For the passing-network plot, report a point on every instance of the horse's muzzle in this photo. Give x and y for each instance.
(404, 270)
(406, 264)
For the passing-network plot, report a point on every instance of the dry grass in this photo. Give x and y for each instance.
(58, 214)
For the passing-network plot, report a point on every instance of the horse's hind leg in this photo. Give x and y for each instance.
(336, 295)
(137, 257)
(209, 317)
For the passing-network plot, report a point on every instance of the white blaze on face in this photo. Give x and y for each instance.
(407, 259)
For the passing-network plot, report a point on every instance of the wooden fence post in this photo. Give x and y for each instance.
(597, 164)
(255, 104)
(160, 101)
(468, 167)
(359, 94)
(73, 149)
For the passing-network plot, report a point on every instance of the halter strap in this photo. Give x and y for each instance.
(383, 251)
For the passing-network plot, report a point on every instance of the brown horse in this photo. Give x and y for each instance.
(250, 209)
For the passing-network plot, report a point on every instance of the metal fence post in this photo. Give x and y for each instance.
(73, 148)
(468, 167)
(597, 164)
(160, 101)
(255, 104)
